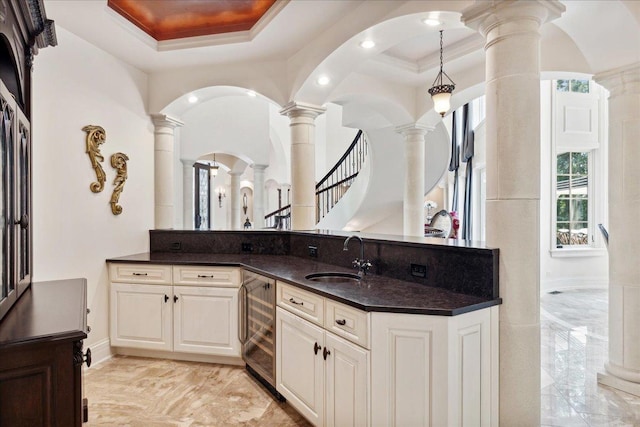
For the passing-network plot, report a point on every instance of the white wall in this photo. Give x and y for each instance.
(74, 85)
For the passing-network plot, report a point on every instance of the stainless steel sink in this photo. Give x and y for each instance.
(333, 277)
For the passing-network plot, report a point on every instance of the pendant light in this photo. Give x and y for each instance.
(213, 169)
(441, 92)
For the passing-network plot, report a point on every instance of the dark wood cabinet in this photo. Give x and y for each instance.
(24, 29)
(41, 356)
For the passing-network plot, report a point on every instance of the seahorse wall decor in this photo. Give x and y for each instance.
(96, 136)
(119, 163)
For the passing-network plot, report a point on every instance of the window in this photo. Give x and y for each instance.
(576, 86)
(572, 199)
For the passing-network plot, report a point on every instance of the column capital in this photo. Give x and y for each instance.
(302, 109)
(259, 167)
(622, 80)
(484, 16)
(163, 120)
(414, 129)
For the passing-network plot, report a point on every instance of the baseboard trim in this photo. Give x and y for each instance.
(223, 360)
(573, 283)
(100, 352)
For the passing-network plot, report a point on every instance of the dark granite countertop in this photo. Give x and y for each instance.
(373, 293)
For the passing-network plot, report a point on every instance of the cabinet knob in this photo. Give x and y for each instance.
(325, 353)
(78, 357)
(88, 310)
(341, 322)
(88, 328)
(166, 298)
(23, 222)
(316, 347)
(175, 298)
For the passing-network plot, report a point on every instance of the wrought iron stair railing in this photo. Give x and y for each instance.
(331, 188)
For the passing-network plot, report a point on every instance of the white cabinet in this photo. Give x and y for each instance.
(434, 370)
(180, 309)
(346, 383)
(205, 320)
(323, 376)
(141, 316)
(299, 364)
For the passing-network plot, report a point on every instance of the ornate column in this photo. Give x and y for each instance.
(235, 198)
(163, 169)
(414, 169)
(512, 52)
(258, 196)
(187, 193)
(623, 366)
(303, 180)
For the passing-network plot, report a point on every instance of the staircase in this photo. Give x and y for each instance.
(331, 187)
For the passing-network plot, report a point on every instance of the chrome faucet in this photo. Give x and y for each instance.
(360, 263)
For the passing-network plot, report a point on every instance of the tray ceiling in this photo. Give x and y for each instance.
(175, 19)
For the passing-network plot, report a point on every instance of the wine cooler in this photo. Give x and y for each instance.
(257, 327)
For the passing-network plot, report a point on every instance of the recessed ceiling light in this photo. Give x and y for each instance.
(323, 80)
(431, 22)
(193, 99)
(367, 44)
(251, 93)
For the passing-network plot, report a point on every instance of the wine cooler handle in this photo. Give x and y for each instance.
(242, 307)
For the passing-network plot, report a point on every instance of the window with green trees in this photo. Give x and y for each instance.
(572, 199)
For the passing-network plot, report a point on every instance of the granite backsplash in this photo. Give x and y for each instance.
(454, 265)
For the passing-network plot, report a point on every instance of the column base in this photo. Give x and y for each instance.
(606, 378)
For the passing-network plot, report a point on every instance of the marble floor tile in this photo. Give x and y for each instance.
(132, 391)
(573, 337)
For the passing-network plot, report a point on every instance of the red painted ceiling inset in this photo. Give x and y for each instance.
(174, 19)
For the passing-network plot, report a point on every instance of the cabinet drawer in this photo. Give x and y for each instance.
(303, 303)
(206, 276)
(140, 273)
(347, 322)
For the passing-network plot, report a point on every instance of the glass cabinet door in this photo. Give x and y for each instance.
(22, 216)
(8, 293)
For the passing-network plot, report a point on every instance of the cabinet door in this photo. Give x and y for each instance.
(22, 208)
(206, 320)
(299, 365)
(141, 316)
(346, 383)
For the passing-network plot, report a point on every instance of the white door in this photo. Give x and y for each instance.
(206, 320)
(141, 316)
(299, 365)
(346, 383)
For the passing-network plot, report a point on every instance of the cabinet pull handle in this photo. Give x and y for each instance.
(325, 353)
(292, 301)
(23, 222)
(139, 274)
(175, 298)
(341, 322)
(316, 347)
(166, 298)
(203, 276)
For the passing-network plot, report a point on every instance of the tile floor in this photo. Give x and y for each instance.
(138, 392)
(129, 391)
(574, 348)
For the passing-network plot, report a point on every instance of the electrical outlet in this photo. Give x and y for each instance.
(247, 247)
(313, 251)
(176, 246)
(418, 270)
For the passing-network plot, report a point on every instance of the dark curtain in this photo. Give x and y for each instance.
(467, 157)
(455, 161)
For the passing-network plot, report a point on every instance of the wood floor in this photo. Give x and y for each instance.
(132, 391)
